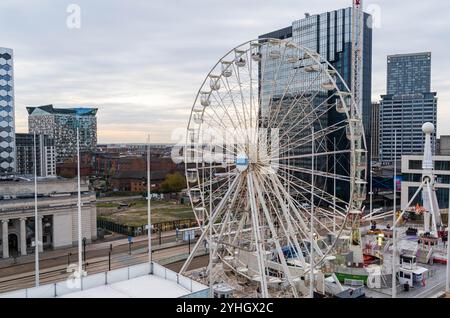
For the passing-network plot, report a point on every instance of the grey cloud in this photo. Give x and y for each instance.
(147, 59)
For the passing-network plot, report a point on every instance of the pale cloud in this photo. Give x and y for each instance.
(142, 62)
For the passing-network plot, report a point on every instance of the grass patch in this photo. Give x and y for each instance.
(136, 215)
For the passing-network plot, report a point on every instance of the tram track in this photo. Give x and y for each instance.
(97, 265)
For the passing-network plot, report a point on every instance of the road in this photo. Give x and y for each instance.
(66, 256)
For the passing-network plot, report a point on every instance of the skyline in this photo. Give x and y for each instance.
(155, 75)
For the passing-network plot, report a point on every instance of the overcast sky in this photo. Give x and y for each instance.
(142, 62)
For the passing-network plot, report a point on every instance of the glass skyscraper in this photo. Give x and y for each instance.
(330, 35)
(409, 73)
(408, 104)
(7, 131)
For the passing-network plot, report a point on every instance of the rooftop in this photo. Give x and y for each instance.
(49, 109)
(128, 282)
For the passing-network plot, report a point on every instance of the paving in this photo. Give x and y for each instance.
(434, 287)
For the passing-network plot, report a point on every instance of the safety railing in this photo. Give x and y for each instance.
(73, 285)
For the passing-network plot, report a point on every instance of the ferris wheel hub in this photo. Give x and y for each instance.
(242, 162)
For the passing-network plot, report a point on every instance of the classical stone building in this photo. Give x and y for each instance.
(57, 210)
(61, 125)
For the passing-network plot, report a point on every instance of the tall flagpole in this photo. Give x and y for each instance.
(80, 257)
(149, 207)
(334, 188)
(311, 234)
(36, 217)
(394, 228)
(211, 295)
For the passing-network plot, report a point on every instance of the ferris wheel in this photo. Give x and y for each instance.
(275, 164)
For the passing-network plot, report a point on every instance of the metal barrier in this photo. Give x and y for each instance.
(141, 230)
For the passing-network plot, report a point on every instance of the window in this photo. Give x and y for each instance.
(415, 164)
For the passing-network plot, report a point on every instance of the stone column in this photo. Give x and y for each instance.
(41, 235)
(5, 242)
(23, 237)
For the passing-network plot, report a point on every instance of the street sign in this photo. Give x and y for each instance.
(188, 235)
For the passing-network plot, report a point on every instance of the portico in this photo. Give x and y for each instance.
(14, 234)
(57, 215)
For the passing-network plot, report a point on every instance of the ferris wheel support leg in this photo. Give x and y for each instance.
(275, 238)
(303, 224)
(257, 237)
(288, 217)
(409, 204)
(432, 211)
(206, 230)
(194, 250)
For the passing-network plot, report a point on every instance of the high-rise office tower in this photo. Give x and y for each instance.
(45, 155)
(408, 74)
(330, 35)
(7, 131)
(408, 104)
(375, 131)
(61, 125)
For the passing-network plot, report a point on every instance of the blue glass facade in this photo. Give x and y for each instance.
(330, 35)
(7, 131)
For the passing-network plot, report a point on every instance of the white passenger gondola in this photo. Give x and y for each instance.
(214, 82)
(312, 68)
(240, 60)
(204, 99)
(227, 70)
(191, 175)
(329, 86)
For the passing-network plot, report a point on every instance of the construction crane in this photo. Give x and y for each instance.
(354, 222)
(357, 54)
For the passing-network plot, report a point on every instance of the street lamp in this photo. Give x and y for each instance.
(84, 251)
(109, 257)
(68, 258)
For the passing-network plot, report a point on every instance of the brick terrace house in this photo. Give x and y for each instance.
(131, 173)
(136, 181)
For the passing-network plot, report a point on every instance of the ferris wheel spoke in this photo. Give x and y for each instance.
(260, 251)
(299, 217)
(278, 108)
(285, 218)
(275, 72)
(318, 193)
(317, 173)
(241, 121)
(308, 116)
(326, 154)
(297, 99)
(316, 135)
(296, 183)
(221, 102)
(275, 237)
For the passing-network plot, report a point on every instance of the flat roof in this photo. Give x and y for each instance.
(148, 286)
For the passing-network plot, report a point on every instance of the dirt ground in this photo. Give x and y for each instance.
(136, 213)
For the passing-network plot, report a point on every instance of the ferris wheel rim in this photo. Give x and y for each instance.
(318, 59)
